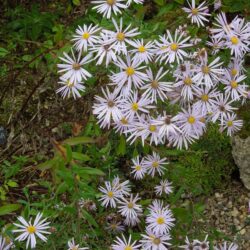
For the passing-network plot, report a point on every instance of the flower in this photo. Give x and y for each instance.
(72, 68)
(4, 245)
(107, 7)
(224, 246)
(231, 124)
(122, 187)
(138, 168)
(204, 245)
(123, 244)
(152, 241)
(164, 187)
(154, 164)
(115, 227)
(197, 14)
(110, 195)
(216, 44)
(85, 36)
(189, 245)
(129, 2)
(30, 230)
(107, 108)
(73, 246)
(160, 219)
(70, 88)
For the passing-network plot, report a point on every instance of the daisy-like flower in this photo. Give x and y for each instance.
(121, 37)
(4, 245)
(107, 108)
(107, 7)
(188, 245)
(233, 86)
(115, 227)
(129, 2)
(122, 187)
(152, 241)
(123, 125)
(138, 168)
(73, 68)
(142, 52)
(133, 105)
(129, 207)
(231, 124)
(123, 244)
(203, 245)
(191, 121)
(30, 230)
(70, 88)
(216, 44)
(85, 36)
(224, 246)
(164, 187)
(156, 88)
(197, 14)
(174, 48)
(72, 245)
(160, 219)
(209, 74)
(130, 75)
(110, 196)
(235, 67)
(154, 164)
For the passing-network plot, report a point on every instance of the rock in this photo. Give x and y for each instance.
(241, 155)
(230, 204)
(243, 231)
(235, 212)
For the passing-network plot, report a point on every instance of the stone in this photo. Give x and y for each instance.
(241, 155)
(235, 212)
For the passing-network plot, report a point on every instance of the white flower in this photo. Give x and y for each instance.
(70, 88)
(85, 36)
(152, 241)
(201, 245)
(121, 37)
(107, 108)
(30, 230)
(122, 187)
(154, 164)
(72, 245)
(197, 14)
(138, 168)
(72, 68)
(110, 195)
(189, 245)
(107, 7)
(216, 44)
(130, 75)
(142, 52)
(231, 124)
(224, 246)
(4, 245)
(156, 88)
(129, 2)
(160, 219)
(164, 187)
(123, 244)
(115, 226)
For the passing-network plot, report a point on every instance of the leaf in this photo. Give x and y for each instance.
(121, 149)
(7, 209)
(80, 156)
(11, 183)
(79, 140)
(89, 218)
(82, 171)
(46, 165)
(3, 52)
(76, 2)
(160, 2)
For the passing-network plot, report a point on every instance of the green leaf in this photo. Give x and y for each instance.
(89, 218)
(80, 157)
(79, 140)
(121, 149)
(82, 171)
(11, 183)
(160, 2)
(46, 165)
(76, 2)
(7, 209)
(3, 52)
(68, 153)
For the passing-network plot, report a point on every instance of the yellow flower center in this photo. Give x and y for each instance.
(141, 49)
(191, 119)
(194, 11)
(234, 84)
(154, 84)
(138, 168)
(128, 248)
(31, 229)
(110, 194)
(188, 81)
(155, 164)
(124, 121)
(174, 46)
(111, 2)
(76, 66)
(234, 72)
(120, 36)
(85, 36)
(234, 40)
(205, 69)
(70, 84)
(130, 71)
(130, 205)
(204, 98)
(152, 128)
(230, 123)
(157, 241)
(160, 220)
(135, 106)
